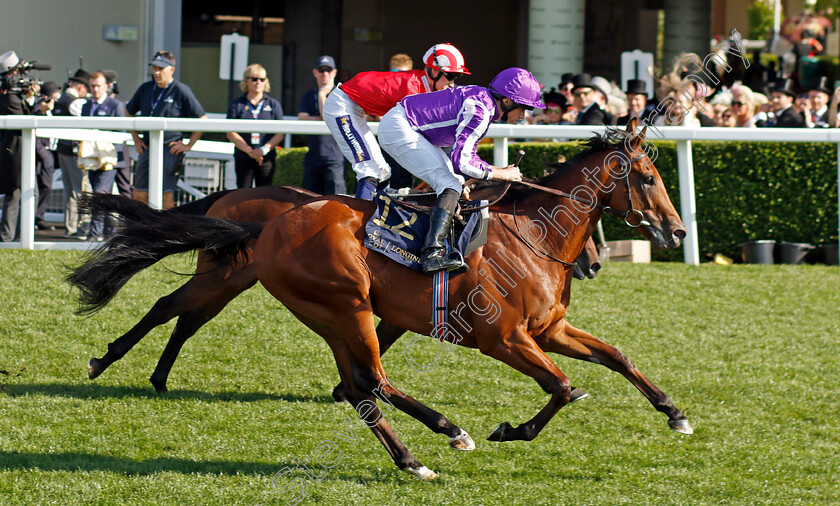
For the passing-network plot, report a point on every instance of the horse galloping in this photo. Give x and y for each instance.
(311, 259)
(213, 286)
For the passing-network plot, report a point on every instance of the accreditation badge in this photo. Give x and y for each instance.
(255, 139)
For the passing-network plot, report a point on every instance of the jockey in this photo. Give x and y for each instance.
(375, 93)
(416, 129)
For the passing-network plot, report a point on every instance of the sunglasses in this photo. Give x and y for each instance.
(738, 103)
(451, 76)
(581, 93)
(258, 79)
(325, 70)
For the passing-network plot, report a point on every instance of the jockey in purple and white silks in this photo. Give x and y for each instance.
(415, 131)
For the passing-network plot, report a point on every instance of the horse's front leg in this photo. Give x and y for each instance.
(567, 340)
(519, 351)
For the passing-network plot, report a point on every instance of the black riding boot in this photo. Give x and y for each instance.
(434, 257)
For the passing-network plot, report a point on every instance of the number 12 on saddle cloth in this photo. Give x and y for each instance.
(398, 232)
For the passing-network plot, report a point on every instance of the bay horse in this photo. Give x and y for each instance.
(214, 285)
(510, 304)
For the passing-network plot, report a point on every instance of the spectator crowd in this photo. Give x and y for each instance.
(758, 98)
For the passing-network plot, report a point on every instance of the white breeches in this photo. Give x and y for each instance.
(414, 152)
(347, 123)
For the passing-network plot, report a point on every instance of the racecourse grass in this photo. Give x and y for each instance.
(749, 353)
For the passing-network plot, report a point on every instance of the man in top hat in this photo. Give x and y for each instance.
(566, 85)
(782, 97)
(637, 99)
(589, 97)
(70, 104)
(323, 164)
(816, 112)
(163, 96)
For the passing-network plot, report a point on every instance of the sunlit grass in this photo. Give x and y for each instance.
(749, 353)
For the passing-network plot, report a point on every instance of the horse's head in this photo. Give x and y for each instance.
(640, 194)
(588, 263)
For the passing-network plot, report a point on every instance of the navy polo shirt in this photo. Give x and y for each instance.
(109, 107)
(175, 101)
(241, 108)
(322, 148)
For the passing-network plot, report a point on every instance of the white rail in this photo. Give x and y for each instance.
(52, 127)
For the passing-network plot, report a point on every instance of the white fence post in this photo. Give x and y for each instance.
(156, 147)
(688, 206)
(27, 189)
(500, 151)
(838, 194)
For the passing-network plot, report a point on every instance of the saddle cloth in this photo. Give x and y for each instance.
(398, 233)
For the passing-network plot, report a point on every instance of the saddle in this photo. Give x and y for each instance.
(399, 226)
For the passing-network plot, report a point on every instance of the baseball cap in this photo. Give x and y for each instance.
(325, 61)
(161, 61)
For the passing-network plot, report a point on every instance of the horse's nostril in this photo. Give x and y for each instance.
(679, 234)
(595, 267)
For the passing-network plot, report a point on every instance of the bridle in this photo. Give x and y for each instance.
(631, 211)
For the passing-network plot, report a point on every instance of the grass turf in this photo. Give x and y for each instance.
(749, 353)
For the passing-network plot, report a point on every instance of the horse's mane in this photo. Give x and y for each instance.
(611, 138)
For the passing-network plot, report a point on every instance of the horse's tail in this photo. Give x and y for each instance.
(145, 236)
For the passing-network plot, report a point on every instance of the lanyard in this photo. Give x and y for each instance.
(156, 100)
(255, 111)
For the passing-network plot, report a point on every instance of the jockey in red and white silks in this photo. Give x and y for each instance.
(375, 93)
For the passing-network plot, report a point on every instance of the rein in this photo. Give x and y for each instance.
(604, 208)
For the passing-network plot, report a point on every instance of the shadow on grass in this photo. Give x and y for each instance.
(87, 462)
(96, 391)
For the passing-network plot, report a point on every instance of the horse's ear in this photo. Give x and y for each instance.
(631, 125)
(642, 134)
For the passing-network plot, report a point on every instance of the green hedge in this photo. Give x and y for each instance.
(745, 191)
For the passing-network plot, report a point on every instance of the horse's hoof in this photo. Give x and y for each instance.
(577, 394)
(159, 387)
(338, 393)
(682, 426)
(422, 472)
(93, 368)
(499, 433)
(462, 442)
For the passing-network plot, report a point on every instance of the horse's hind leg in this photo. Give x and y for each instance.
(387, 334)
(567, 340)
(188, 323)
(164, 310)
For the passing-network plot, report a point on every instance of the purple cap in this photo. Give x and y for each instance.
(518, 85)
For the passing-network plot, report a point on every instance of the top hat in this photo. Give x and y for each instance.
(566, 79)
(81, 76)
(325, 61)
(821, 84)
(636, 86)
(585, 81)
(8, 60)
(785, 86)
(555, 97)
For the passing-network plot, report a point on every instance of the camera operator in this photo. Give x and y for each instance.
(16, 86)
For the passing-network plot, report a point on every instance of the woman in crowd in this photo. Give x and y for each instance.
(254, 155)
(743, 106)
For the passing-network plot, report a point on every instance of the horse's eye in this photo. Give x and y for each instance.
(649, 180)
